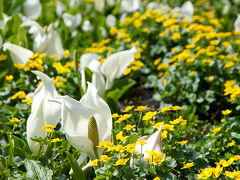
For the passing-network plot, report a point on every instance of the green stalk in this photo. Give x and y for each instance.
(76, 65)
(1, 9)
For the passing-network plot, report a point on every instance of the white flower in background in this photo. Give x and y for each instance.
(237, 24)
(32, 9)
(187, 10)
(130, 5)
(60, 8)
(1, 41)
(48, 42)
(112, 68)
(87, 26)
(99, 5)
(74, 3)
(153, 143)
(111, 20)
(111, 2)
(103, 32)
(43, 112)
(72, 21)
(19, 55)
(86, 122)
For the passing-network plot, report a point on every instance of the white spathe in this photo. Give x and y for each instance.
(130, 5)
(75, 118)
(43, 112)
(19, 55)
(112, 68)
(187, 10)
(48, 42)
(32, 9)
(72, 21)
(111, 20)
(60, 8)
(87, 26)
(154, 143)
(115, 65)
(237, 24)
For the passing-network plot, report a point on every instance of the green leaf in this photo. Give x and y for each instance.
(21, 148)
(119, 88)
(100, 177)
(36, 171)
(131, 139)
(77, 171)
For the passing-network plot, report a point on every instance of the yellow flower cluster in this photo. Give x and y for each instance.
(19, 95)
(48, 128)
(60, 68)
(231, 89)
(128, 108)
(3, 57)
(149, 115)
(59, 81)
(157, 157)
(179, 120)
(141, 108)
(171, 108)
(35, 62)
(100, 47)
(123, 117)
(9, 77)
(27, 100)
(120, 136)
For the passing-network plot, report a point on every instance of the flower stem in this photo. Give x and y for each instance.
(76, 65)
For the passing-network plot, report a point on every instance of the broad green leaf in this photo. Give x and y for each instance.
(36, 171)
(77, 171)
(21, 148)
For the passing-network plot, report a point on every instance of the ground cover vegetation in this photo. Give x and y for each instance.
(130, 89)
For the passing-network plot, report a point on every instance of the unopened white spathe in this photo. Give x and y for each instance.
(48, 42)
(32, 9)
(237, 24)
(72, 21)
(154, 143)
(87, 26)
(130, 5)
(75, 117)
(111, 20)
(19, 55)
(43, 112)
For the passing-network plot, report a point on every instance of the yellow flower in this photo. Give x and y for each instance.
(176, 36)
(9, 77)
(128, 108)
(179, 121)
(236, 157)
(37, 143)
(227, 163)
(67, 53)
(129, 127)
(94, 162)
(56, 140)
(120, 137)
(164, 134)
(231, 143)
(141, 108)
(183, 142)
(20, 95)
(168, 127)
(123, 117)
(121, 162)
(119, 148)
(234, 175)
(115, 115)
(142, 142)
(27, 100)
(215, 131)
(15, 120)
(105, 144)
(131, 148)
(113, 31)
(149, 115)
(188, 165)
(205, 173)
(229, 64)
(137, 23)
(105, 158)
(48, 128)
(3, 57)
(156, 178)
(226, 112)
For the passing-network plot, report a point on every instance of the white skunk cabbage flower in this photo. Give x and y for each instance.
(86, 122)
(154, 143)
(48, 42)
(1, 41)
(74, 4)
(32, 9)
(43, 112)
(72, 21)
(87, 26)
(115, 65)
(130, 5)
(60, 8)
(99, 5)
(19, 55)
(112, 68)
(187, 10)
(111, 20)
(237, 24)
